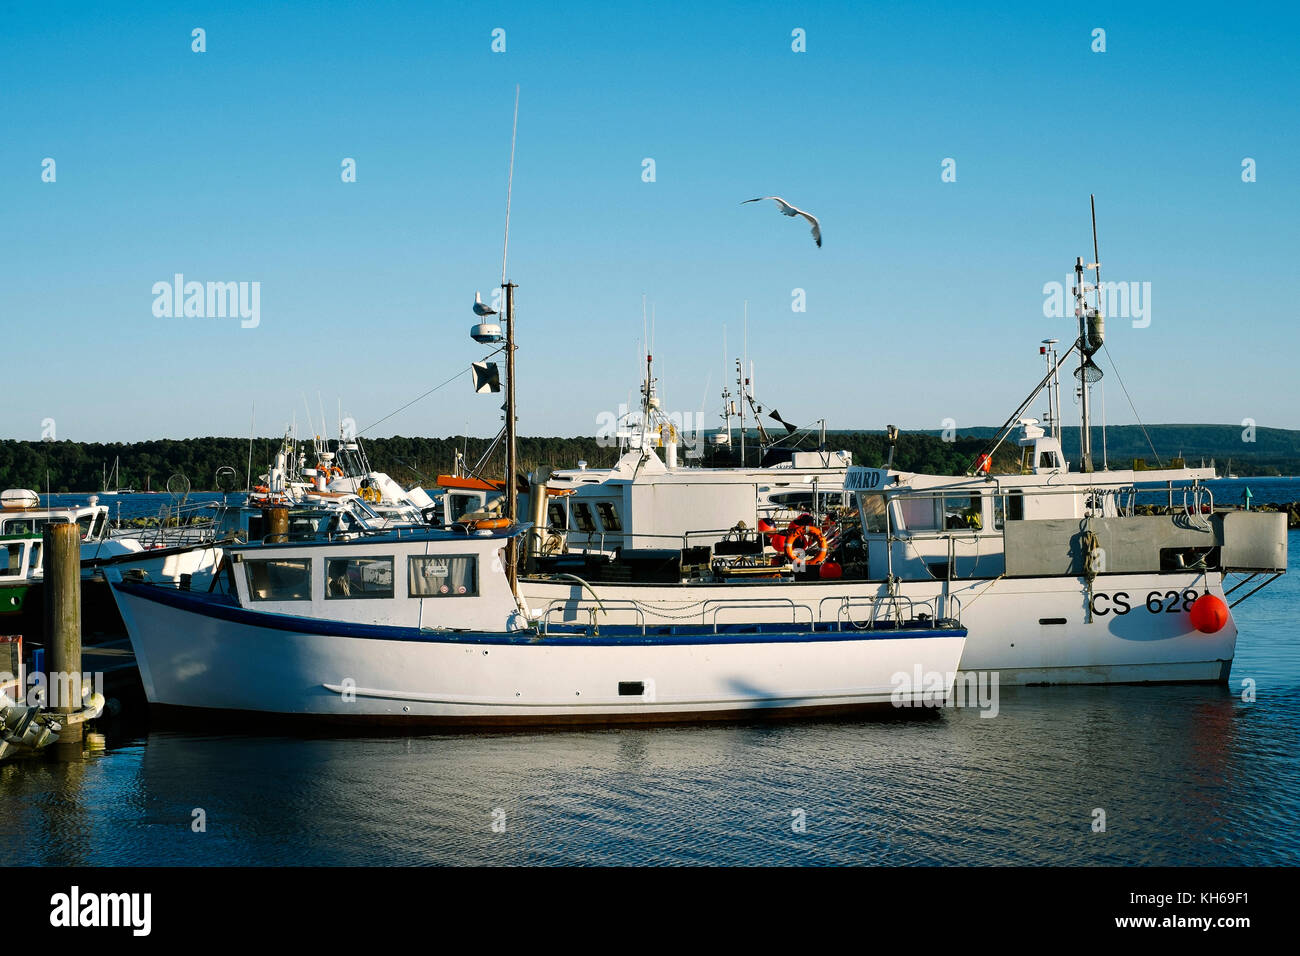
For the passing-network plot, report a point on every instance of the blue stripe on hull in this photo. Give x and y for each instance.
(224, 608)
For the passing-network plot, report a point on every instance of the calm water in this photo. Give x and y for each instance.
(1186, 775)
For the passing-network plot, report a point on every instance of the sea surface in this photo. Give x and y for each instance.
(1185, 775)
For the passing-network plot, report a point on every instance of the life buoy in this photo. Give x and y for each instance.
(491, 524)
(800, 538)
(262, 488)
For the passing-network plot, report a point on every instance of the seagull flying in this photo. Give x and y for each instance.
(789, 210)
(480, 308)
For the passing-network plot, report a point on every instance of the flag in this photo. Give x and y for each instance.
(486, 377)
(775, 415)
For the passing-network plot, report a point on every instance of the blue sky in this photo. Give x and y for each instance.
(924, 303)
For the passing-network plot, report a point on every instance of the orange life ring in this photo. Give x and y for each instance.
(262, 488)
(800, 537)
(491, 524)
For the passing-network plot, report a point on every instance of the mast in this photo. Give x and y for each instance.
(512, 490)
(1081, 310)
(740, 391)
(1092, 335)
(1048, 349)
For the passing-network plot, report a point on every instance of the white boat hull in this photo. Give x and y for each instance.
(1004, 619)
(251, 661)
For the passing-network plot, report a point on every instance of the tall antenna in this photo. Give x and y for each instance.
(510, 181)
(512, 452)
(252, 427)
(1096, 256)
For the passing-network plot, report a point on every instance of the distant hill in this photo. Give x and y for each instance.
(1274, 451)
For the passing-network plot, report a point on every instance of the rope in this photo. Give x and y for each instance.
(1131, 405)
(412, 402)
(1090, 544)
(985, 590)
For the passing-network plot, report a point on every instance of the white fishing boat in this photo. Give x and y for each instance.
(425, 628)
(428, 626)
(1054, 571)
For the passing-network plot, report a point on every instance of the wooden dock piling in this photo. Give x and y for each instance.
(61, 564)
(275, 521)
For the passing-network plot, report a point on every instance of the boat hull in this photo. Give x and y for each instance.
(1028, 630)
(197, 653)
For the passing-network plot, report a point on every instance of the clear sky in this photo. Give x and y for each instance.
(925, 302)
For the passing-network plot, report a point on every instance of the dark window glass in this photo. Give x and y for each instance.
(608, 516)
(359, 578)
(279, 579)
(582, 517)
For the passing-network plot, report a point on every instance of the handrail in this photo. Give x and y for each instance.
(726, 604)
(602, 606)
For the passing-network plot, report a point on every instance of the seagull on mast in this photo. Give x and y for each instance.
(790, 210)
(480, 308)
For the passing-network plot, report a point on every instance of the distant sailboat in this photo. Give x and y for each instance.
(115, 490)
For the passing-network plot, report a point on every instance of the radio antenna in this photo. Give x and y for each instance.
(1096, 256)
(510, 181)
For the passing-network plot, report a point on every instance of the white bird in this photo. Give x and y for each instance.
(480, 308)
(789, 210)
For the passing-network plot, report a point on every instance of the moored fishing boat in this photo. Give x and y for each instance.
(424, 628)
(1055, 572)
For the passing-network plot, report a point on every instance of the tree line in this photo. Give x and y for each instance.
(68, 467)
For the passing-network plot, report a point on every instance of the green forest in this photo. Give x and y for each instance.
(66, 466)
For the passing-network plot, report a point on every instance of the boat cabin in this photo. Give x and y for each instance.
(423, 579)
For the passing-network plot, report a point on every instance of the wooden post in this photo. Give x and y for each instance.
(61, 564)
(275, 524)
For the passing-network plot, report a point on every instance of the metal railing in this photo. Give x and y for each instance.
(597, 607)
(734, 604)
(886, 609)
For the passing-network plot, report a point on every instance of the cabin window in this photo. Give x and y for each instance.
(963, 513)
(442, 575)
(1016, 506)
(458, 505)
(279, 579)
(555, 515)
(304, 527)
(12, 559)
(873, 514)
(582, 517)
(919, 514)
(359, 578)
(608, 516)
(30, 525)
(1047, 459)
(801, 500)
(85, 525)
